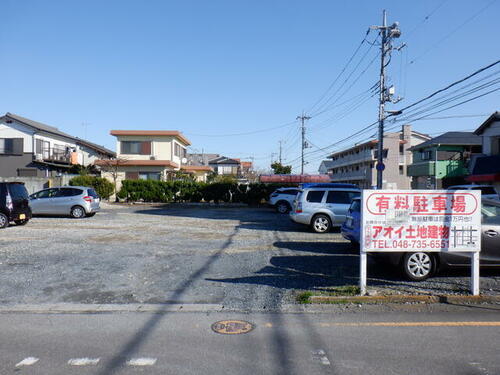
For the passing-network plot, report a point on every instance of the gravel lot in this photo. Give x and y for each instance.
(242, 258)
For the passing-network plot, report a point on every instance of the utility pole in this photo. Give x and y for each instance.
(280, 142)
(303, 118)
(387, 33)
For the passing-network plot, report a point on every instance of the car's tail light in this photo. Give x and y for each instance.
(298, 209)
(88, 199)
(8, 201)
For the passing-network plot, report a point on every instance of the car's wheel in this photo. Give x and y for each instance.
(4, 221)
(321, 223)
(91, 214)
(282, 207)
(77, 212)
(418, 266)
(21, 222)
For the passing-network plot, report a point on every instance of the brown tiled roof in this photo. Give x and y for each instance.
(144, 163)
(171, 133)
(196, 168)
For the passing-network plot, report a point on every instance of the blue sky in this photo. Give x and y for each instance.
(215, 68)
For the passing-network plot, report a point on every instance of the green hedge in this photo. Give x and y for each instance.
(190, 191)
(102, 186)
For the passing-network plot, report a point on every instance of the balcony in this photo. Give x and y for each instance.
(362, 156)
(56, 155)
(361, 174)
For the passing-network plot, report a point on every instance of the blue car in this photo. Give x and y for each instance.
(351, 228)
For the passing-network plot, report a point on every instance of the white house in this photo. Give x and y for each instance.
(31, 149)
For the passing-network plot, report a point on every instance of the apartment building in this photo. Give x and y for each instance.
(149, 155)
(32, 149)
(356, 164)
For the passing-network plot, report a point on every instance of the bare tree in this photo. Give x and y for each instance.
(112, 166)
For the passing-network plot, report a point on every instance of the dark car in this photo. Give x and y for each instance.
(14, 204)
(419, 266)
(351, 226)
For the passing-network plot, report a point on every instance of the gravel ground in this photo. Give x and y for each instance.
(242, 258)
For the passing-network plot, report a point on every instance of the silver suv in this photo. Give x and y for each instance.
(76, 201)
(323, 206)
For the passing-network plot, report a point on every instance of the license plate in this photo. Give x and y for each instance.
(22, 216)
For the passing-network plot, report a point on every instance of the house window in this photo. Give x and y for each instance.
(149, 176)
(401, 170)
(179, 151)
(401, 149)
(11, 146)
(425, 155)
(136, 147)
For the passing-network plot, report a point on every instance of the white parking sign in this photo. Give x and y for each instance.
(421, 220)
(426, 220)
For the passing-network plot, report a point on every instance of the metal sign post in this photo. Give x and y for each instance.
(421, 221)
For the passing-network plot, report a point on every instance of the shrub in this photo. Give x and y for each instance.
(192, 191)
(102, 186)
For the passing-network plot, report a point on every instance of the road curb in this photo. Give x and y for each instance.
(405, 299)
(70, 308)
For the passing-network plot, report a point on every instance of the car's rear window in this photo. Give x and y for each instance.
(18, 191)
(486, 189)
(355, 206)
(315, 196)
(92, 193)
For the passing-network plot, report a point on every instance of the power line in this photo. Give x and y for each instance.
(245, 133)
(424, 20)
(451, 85)
(453, 31)
(341, 72)
(324, 107)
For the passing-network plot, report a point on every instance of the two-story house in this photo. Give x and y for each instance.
(443, 161)
(485, 169)
(31, 149)
(149, 155)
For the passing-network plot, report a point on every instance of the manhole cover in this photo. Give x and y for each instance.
(232, 327)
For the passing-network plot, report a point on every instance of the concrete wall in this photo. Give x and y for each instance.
(33, 184)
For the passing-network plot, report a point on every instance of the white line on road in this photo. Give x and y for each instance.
(141, 362)
(28, 361)
(83, 361)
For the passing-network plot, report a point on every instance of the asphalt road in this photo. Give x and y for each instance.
(463, 343)
(242, 258)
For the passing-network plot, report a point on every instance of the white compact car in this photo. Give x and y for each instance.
(282, 199)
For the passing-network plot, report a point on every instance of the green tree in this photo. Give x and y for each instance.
(279, 168)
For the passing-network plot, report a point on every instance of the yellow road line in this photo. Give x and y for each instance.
(412, 324)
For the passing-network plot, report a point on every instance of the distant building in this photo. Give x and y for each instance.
(356, 164)
(200, 159)
(226, 166)
(485, 168)
(325, 166)
(443, 161)
(31, 149)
